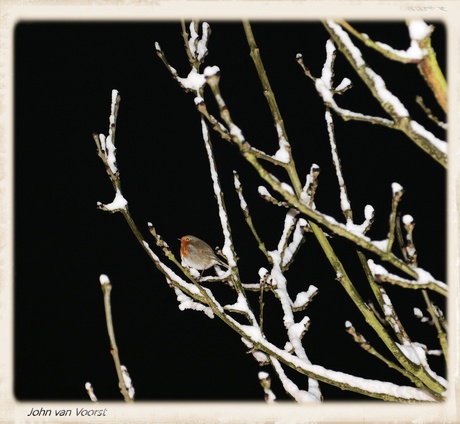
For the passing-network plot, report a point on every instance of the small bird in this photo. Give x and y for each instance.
(196, 253)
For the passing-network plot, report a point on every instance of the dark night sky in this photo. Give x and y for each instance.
(64, 73)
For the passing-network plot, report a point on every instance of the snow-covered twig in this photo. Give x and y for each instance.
(311, 184)
(265, 194)
(90, 391)
(424, 281)
(345, 204)
(290, 224)
(265, 381)
(397, 194)
(106, 145)
(299, 395)
(408, 248)
(127, 392)
(127, 382)
(228, 248)
(193, 82)
(196, 47)
(391, 316)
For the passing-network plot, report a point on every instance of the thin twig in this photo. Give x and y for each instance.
(397, 195)
(261, 305)
(90, 391)
(442, 336)
(345, 203)
(429, 113)
(247, 215)
(106, 290)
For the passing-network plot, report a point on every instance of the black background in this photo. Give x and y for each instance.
(64, 73)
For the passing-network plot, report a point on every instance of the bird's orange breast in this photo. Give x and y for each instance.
(184, 242)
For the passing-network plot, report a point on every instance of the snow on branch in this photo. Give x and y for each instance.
(118, 204)
(419, 52)
(265, 382)
(425, 279)
(106, 144)
(197, 46)
(299, 395)
(186, 302)
(400, 118)
(228, 249)
(304, 298)
(90, 391)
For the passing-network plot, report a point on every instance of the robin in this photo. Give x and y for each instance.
(196, 253)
